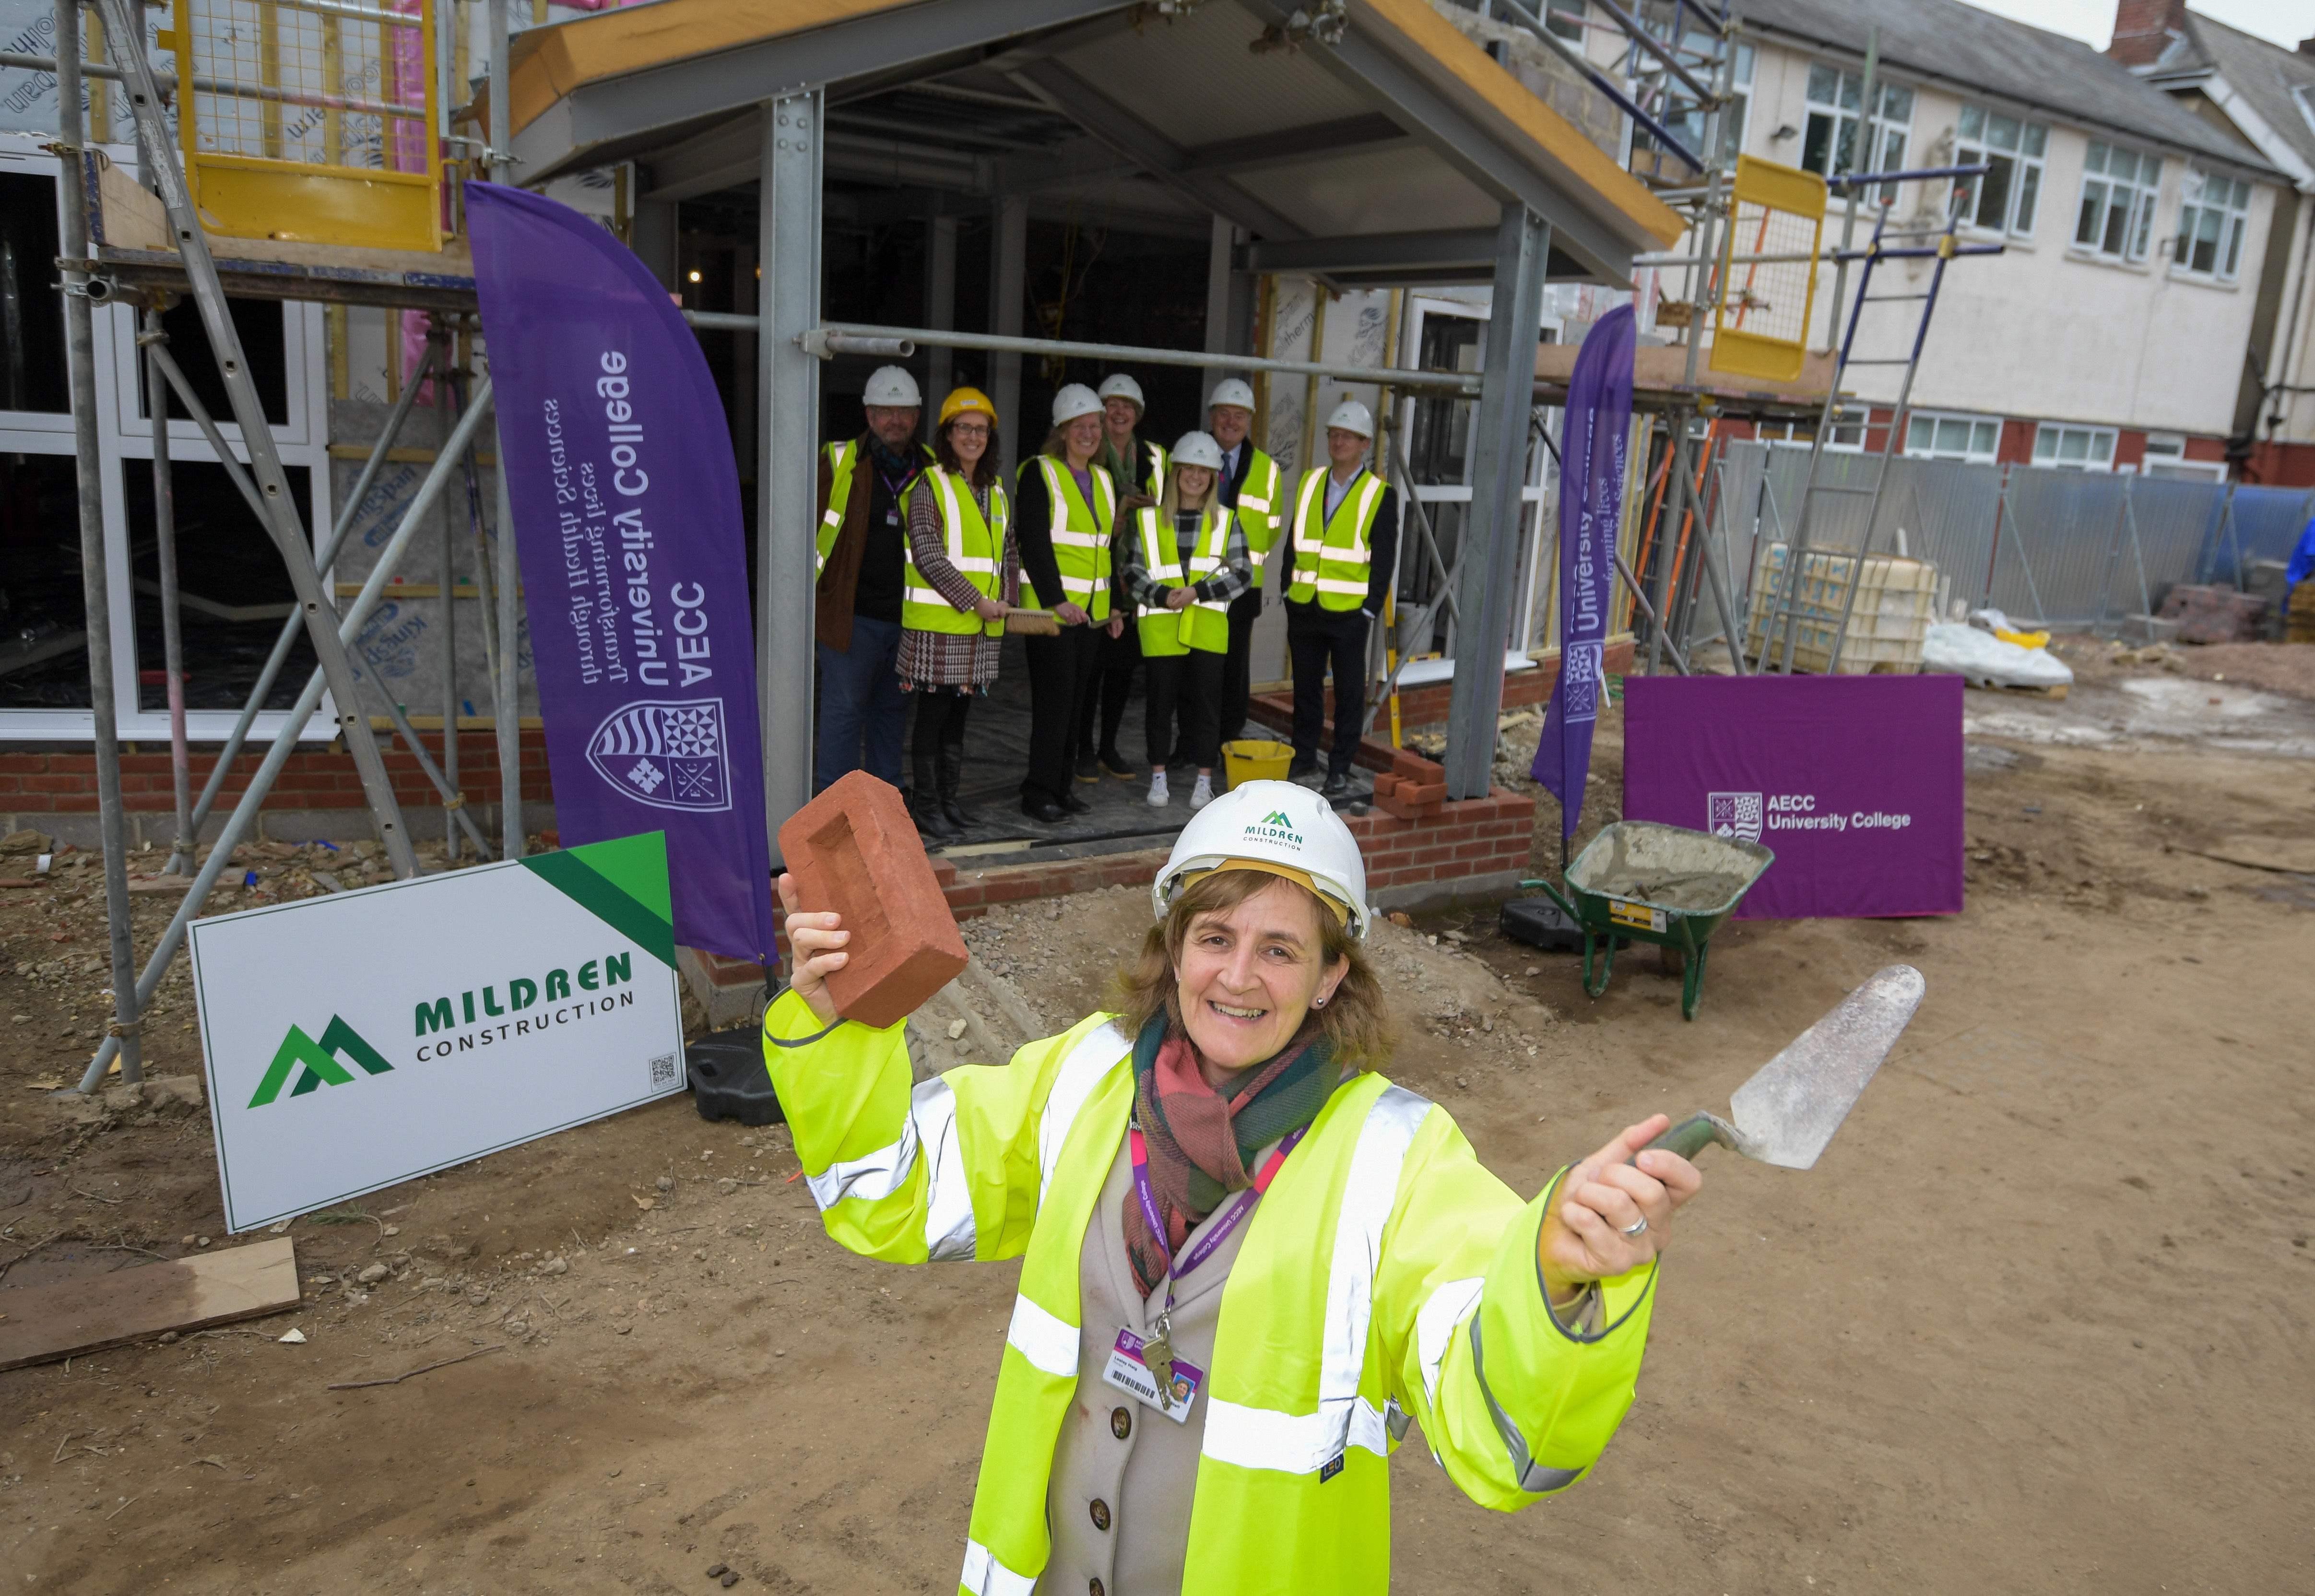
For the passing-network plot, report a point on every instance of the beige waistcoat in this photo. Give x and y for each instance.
(1119, 1505)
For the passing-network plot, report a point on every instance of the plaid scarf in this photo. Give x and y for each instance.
(1199, 1141)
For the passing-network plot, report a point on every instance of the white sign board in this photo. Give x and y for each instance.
(357, 1040)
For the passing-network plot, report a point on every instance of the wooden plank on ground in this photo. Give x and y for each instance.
(38, 1324)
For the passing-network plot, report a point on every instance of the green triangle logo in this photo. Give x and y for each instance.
(320, 1061)
(1277, 817)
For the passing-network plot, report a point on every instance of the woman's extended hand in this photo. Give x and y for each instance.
(989, 609)
(1178, 598)
(1070, 614)
(816, 944)
(1588, 1235)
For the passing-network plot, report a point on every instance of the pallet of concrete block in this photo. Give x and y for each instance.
(2213, 613)
(1896, 601)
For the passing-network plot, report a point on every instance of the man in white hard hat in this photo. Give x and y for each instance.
(1341, 547)
(1138, 465)
(863, 552)
(1250, 489)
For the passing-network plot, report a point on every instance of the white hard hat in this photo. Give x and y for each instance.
(1231, 390)
(1275, 826)
(1352, 416)
(1118, 386)
(1073, 401)
(891, 385)
(1198, 448)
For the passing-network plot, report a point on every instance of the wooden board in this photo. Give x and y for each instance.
(39, 1324)
(2055, 694)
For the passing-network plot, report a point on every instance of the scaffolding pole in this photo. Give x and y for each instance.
(172, 635)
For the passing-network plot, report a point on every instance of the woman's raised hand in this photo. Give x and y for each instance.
(816, 944)
(1613, 1213)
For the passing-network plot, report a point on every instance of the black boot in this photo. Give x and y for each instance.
(952, 776)
(924, 800)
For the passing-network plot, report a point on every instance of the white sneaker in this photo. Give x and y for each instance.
(1203, 792)
(1158, 797)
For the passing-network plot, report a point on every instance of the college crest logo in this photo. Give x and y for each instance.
(669, 755)
(1733, 814)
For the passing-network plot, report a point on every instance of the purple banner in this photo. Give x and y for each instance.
(626, 514)
(1590, 502)
(1855, 781)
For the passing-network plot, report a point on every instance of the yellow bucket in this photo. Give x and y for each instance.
(1255, 761)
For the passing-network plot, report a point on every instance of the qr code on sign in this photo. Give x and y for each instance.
(662, 1070)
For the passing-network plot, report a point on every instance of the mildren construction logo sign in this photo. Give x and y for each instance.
(320, 1060)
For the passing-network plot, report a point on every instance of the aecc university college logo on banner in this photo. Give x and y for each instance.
(1733, 814)
(668, 754)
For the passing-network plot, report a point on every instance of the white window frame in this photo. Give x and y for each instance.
(1884, 151)
(1847, 434)
(2165, 456)
(125, 443)
(2146, 194)
(2056, 431)
(1567, 20)
(2224, 201)
(1976, 427)
(2026, 154)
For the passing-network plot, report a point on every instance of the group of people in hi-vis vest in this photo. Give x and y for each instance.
(923, 553)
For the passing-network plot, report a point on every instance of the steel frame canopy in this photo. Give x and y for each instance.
(1380, 147)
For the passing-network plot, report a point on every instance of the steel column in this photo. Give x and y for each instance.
(1498, 476)
(787, 511)
(80, 358)
(446, 401)
(1008, 271)
(508, 718)
(173, 637)
(940, 312)
(283, 522)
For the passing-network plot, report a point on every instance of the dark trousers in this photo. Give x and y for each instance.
(1061, 674)
(1237, 666)
(1190, 686)
(1317, 639)
(1111, 692)
(939, 730)
(861, 704)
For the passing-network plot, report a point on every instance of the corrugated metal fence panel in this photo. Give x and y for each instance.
(2267, 525)
(1946, 511)
(2176, 519)
(2059, 544)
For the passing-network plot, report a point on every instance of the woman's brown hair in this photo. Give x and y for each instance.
(1354, 1019)
(985, 470)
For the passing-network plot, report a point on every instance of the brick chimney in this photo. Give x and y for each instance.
(2142, 29)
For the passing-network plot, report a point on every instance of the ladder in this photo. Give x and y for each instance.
(1944, 245)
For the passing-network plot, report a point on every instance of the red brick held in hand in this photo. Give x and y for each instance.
(855, 850)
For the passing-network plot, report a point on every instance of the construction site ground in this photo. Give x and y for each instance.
(2037, 1322)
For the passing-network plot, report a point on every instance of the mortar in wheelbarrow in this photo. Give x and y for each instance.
(1644, 882)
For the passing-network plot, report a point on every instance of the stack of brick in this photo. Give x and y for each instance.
(2300, 618)
(1413, 788)
(2208, 614)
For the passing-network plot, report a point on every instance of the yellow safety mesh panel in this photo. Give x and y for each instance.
(312, 121)
(1761, 329)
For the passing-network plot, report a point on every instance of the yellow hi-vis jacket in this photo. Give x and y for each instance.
(1081, 533)
(1201, 624)
(1386, 1275)
(1332, 554)
(1259, 511)
(975, 547)
(843, 461)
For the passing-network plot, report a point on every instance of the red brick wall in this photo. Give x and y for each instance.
(1475, 837)
(316, 778)
(1425, 708)
(2280, 465)
(2142, 29)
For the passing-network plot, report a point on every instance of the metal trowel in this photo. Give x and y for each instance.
(1786, 1113)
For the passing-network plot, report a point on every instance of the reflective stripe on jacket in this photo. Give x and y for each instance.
(1259, 511)
(841, 458)
(1081, 534)
(1203, 623)
(1386, 1274)
(1333, 562)
(975, 547)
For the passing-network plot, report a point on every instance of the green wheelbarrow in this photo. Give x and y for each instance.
(1642, 882)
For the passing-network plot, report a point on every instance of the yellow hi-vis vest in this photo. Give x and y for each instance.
(843, 459)
(1259, 510)
(1386, 1275)
(1154, 484)
(1081, 534)
(1334, 562)
(975, 547)
(1202, 623)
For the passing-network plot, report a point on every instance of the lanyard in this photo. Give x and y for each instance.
(1217, 1227)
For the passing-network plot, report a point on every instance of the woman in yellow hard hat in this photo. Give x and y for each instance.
(1248, 1260)
(963, 574)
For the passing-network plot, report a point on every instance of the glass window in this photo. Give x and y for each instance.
(2003, 200)
(1563, 19)
(2212, 213)
(2119, 188)
(1932, 436)
(1829, 144)
(1671, 103)
(32, 312)
(2074, 448)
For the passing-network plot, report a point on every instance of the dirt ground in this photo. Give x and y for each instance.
(2037, 1322)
